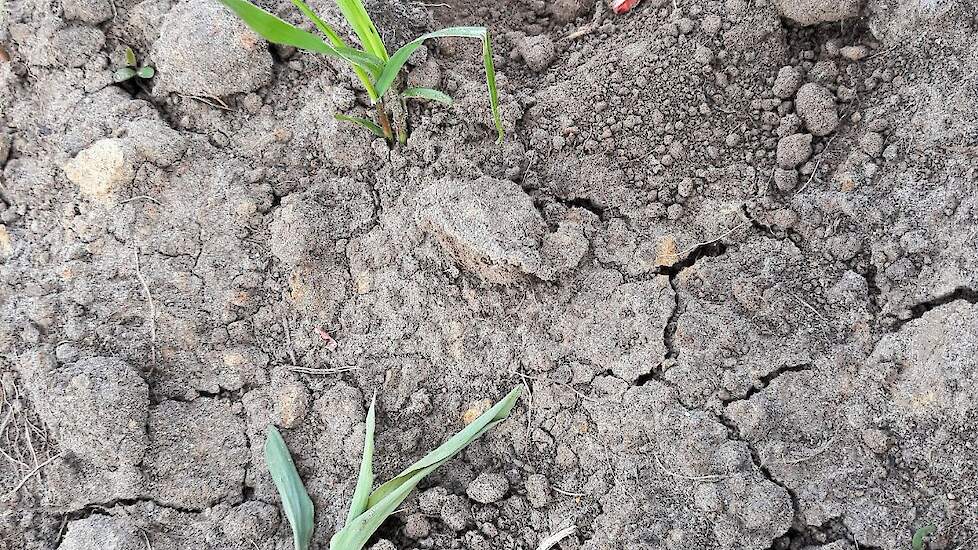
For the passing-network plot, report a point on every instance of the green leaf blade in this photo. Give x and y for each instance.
(146, 72)
(496, 414)
(491, 85)
(296, 503)
(427, 93)
(277, 31)
(363, 122)
(385, 500)
(365, 480)
(400, 57)
(123, 74)
(130, 57)
(358, 18)
(320, 24)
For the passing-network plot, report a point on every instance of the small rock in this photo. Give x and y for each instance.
(102, 532)
(488, 487)
(854, 53)
(425, 75)
(711, 24)
(204, 50)
(417, 527)
(703, 55)
(789, 124)
(431, 501)
(538, 490)
(813, 12)
(538, 52)
(5, 143)
(455, 513)
(816, 106)
(87, 11)
(674, 211)
(490, 226)
(102, 170)
(794, 150)
(787, 82)
(872, 144)
(785, 180)
(824, 72)
(291, 403)
(383, 544)
(6, 243)
(565, 11)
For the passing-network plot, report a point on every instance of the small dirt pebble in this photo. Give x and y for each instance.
(794, 150)
(872, 144)
(102, 170)
(538, 52)
(854, 53)
(431, 501)
(455, 513)
(538, 490)
(417, 527)
(787, 82)
(565, 11)
(488, 487)
(816, 106)
(204, 50)
(785, 180)
(92, 12)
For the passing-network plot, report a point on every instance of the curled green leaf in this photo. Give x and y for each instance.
(146, 72)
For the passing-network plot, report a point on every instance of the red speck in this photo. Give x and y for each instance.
(622, 6)
(330, 343)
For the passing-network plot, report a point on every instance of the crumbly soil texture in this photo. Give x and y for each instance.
(728, 248)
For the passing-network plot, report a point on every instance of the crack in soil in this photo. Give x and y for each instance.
(767, 379)
(733, 433)
(585, 203)
(917, 311)
(810, 536)
(104, 509)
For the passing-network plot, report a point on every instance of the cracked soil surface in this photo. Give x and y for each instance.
(729, 246)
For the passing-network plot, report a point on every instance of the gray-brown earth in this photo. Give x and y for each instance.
(729, 246)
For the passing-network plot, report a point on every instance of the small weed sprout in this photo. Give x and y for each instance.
(920, 536)
(132, 69)
(375, 69)
(368, 509)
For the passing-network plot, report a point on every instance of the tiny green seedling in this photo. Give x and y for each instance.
(368, 510)
(132, 69)
(375, 69)
(920, 536)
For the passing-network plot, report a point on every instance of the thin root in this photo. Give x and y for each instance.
(557, 536)
(31, 474)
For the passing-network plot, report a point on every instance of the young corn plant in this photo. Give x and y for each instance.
(132, 69)
(375, 69)
(368, 509)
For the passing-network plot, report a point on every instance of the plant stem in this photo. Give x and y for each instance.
(385, 121)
